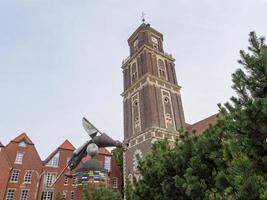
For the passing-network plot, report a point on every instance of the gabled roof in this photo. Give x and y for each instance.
(104, 151)
(22, 137)
(67, 145)
(201, 125)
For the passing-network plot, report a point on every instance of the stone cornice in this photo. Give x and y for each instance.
(147, 79)
(140, 50)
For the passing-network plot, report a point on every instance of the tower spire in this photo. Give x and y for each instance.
(143, 17)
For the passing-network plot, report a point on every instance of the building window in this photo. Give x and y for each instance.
(66, 180)
(107, 163)
(136, 158)
(22, 144)
(134, 74)
(24, 194)
(19, 157)
(135, 44)
(155, 43)
(49, 179)
(74, 181)
(115, 182)
(162, 69)
(136, 121)
(72, 195)
(14, 176)
(10, 194)
(64, 195)
(53, 162)
(28, 176)
(47, 195)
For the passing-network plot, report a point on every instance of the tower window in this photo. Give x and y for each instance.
(135, 44)
(155, 43)
(134, 72)
(168, 110)
(136, 158)
(162, 69)
(136, 122)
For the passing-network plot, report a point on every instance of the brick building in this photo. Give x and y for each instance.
(24, 176)
(152, 102)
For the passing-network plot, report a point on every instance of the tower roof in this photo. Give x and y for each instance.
(67, 145)
(145, 26)
(21, 137)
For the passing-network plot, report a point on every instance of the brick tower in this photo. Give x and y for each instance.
(151, 98)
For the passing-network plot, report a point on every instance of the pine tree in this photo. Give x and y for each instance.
(227, 161)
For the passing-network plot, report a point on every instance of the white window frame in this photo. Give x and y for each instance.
(47, 195)
(114, 182)
(72, 195)
(19, 157)
(28, 176)
(64, 194)
(54, 161)
(66, 180)
(10, 194)
(49, 179)
(24, 194)
(107, 163)
(74, 181)
(14, 178)
(22, 144)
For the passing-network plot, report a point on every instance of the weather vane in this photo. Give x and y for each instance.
(143, 17)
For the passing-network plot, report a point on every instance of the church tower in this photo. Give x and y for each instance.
(151, 98)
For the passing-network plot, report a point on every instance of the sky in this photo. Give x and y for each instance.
(60, 60)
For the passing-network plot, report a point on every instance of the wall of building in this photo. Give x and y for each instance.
(31, 161)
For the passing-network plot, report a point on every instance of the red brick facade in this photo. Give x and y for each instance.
(25, 176)
(151, 98)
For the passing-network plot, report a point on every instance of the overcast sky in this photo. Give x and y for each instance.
(60, 60)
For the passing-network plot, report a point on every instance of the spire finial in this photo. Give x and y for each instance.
(143, 17)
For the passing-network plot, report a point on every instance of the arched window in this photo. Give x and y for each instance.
(155, 42)
(137, 156)
(134, 72)
(162, 69)
(168, 110)
(136, 114)
(135, 44)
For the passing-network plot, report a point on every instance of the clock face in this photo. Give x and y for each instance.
(154, 40)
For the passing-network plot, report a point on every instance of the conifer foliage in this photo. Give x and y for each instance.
(229, 160)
